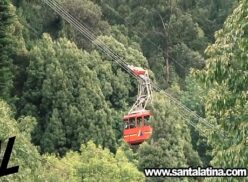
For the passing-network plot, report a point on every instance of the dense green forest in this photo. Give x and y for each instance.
(64, 100)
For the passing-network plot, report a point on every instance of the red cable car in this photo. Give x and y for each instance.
(137, 128)
(138, 71)
(137, 121)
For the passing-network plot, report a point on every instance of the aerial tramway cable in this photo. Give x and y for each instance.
(185, 112)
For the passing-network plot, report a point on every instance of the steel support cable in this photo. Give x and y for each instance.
(180, 105)
(102, 46)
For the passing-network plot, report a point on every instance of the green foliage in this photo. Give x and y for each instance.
(118, 87)
(7, 17)
(78, 98)
(96, 164)
(76, 92)
(90, 14)
(61, 85)
(194, 98)
(226, 77)
(12, 54)
(169, 29)
(131, 55)
(211, 14)
(36, 19)
(23, 148)
(32, 166)
(92, 163)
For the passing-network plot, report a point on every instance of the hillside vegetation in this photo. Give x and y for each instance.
(64, 100)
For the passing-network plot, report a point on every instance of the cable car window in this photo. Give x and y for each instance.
(132, 122)
(147, 120)
(139, 121)
(126, 125)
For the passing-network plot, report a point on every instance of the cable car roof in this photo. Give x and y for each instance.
(138, 114)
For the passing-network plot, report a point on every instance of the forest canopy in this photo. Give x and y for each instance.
(64, 99)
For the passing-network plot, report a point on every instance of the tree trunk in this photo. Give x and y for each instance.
(167, 46)
(167, 66)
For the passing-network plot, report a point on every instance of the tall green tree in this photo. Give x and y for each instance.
(211, 14)
(65, 96)
(119, 88)
(88, 13)
(194, 97)
(13, 54)
(7, 18)
(226, 105)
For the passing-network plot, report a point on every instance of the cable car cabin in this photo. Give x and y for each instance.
(137, 127)
(137, 70)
